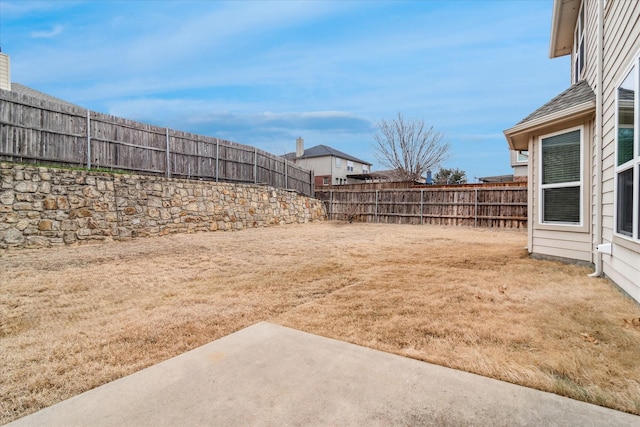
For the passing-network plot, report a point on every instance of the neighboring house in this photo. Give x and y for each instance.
(6, 84)
(5, 72)
(520, 164)
(330, 166)
(496, 179)
(25, 90)
(389, 175)
(584, 145)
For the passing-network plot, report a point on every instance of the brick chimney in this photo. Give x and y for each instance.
(5, 72)
(299, 147)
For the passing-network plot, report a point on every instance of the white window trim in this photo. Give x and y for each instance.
(580, 183)
(338, 162)
(635, 160)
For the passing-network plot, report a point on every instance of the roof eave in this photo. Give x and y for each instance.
(518, 136)
(563, 22)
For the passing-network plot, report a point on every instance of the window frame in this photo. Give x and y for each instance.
(580, 184)
(521, 157)
(339, 162)
(632, 164)
(349, 166)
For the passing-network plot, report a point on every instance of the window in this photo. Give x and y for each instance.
(523, 156)
(627, 187)
(561, 178)
(578, 46)
(365, 169)
(349, 166)
(326, 180)
(338, 162)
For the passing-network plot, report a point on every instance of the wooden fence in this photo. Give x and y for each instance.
(40, 131)
(467, 205)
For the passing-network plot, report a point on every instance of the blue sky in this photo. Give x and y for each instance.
(263, 73)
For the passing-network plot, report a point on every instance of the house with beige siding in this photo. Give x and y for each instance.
(5, 72)
(520, 164)
(329, 166)
(584, 145)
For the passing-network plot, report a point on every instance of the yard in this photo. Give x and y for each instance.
(74, 318)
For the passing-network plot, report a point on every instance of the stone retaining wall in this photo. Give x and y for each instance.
(42, 207)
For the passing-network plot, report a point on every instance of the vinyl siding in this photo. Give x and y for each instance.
(563, 244)
(319, 165)
(624, 274)
(621, 47)
(5, 72)
(591, 63)
(534, 182)
(556, 240)
(323, 166)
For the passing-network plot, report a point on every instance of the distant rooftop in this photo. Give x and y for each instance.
(25, 90)
(322, 151)
(498, 178)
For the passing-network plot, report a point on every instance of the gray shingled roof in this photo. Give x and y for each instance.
(321, 151)
(577, 94)
(25, 90)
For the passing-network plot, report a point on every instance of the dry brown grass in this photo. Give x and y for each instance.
(75, 318)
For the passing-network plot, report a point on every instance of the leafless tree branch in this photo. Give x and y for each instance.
(409, 147)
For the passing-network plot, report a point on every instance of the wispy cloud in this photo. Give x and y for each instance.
(238, 118)
(263, 73)
(13, 9)
(56, 30)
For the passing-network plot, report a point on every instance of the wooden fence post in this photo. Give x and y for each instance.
(421, 206)
(475, 214)
(376, 213)
(217, 158)
(123, 144)
(168, 163)
(501, 205)
(255, 165)
(331, 205)
(88, 139)
(286, 175)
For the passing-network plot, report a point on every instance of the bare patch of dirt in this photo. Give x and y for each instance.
(75, 318)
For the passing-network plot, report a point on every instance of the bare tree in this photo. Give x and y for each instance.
(409, 147)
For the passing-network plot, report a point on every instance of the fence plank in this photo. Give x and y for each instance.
(36, 130)
(469, 205)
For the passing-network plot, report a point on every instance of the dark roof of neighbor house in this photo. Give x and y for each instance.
(388, 173)
(322, 151)
(577, 94)
(497, 178)
(25, 90)
(385, 173)
(373, 175)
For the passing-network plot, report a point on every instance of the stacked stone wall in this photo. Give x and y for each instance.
(42, 207)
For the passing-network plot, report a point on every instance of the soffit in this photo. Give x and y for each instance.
(563, 22)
